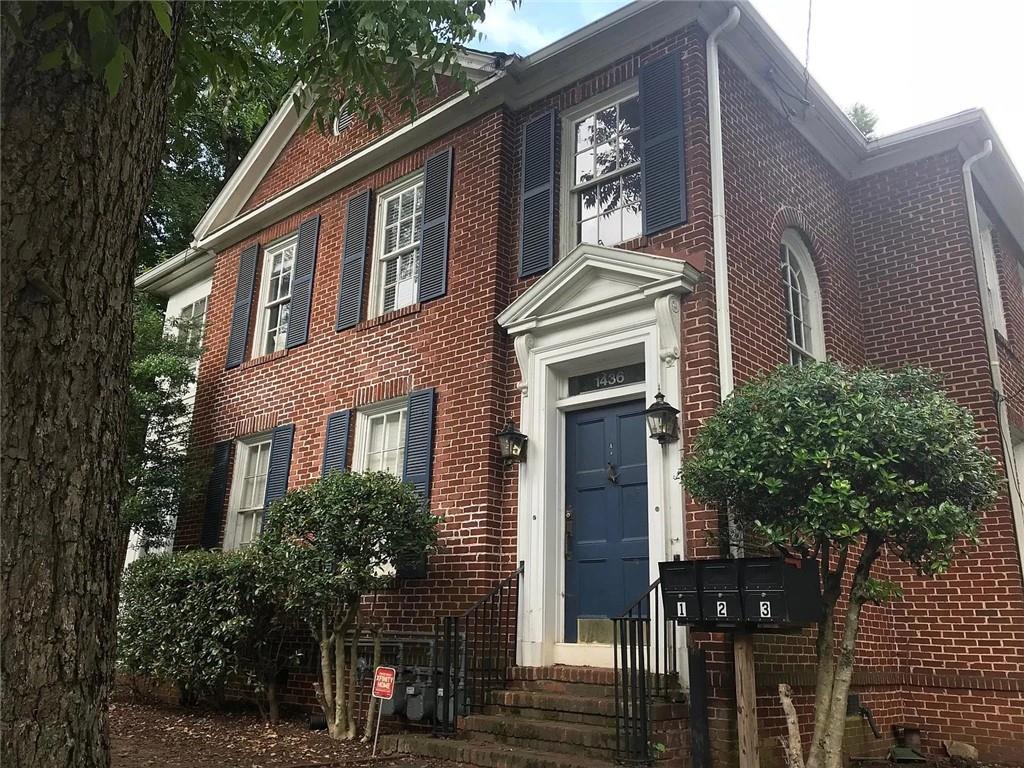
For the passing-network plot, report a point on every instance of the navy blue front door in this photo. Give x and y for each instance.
(606, 512)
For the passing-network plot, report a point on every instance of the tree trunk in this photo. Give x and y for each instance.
(371, 709)
(833, 733)
(825, 650)
(791, 746)
(273, 706)
(78, 168)
(353, 667)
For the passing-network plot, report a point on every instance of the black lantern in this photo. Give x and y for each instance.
(661, 420)
(512, 443)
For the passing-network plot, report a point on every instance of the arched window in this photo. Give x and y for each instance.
(804, 331)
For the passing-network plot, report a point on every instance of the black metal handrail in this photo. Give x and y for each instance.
(475, 652)
(644, 652)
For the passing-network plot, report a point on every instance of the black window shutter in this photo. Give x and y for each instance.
(662, 168)
(302, 282)
(336, 442)
(238, 339)
(216, 493)
(353, 257)
(537, 214)
(437, 193)
(419, 440)
(279, 464)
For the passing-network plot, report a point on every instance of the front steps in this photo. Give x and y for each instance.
(550, 717)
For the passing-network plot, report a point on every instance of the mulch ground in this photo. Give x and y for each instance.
(149, 735)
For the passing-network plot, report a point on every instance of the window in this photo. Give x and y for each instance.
(380, 438)
(804, 331)
(397, 246)
(248, 489)
(191, 321)
(604, 171)
(993, 294)
(275, 297)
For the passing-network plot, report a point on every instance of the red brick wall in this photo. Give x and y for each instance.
(310, 151)
(961, 635)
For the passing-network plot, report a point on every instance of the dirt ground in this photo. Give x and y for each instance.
(152, 735)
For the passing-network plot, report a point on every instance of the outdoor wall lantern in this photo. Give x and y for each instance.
(661, 420)
(512, 443)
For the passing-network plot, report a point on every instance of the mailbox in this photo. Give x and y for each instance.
(720, 592)
(679, 589)
(780, 593)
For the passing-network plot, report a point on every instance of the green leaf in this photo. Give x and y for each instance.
(51, 60)
(113, 73)
(103, 40)
(162, 11)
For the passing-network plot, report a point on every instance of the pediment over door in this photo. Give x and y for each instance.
(594, 280)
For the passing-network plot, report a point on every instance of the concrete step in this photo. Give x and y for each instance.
(487, 754)
(550, 736)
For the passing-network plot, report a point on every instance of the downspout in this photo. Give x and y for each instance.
(992, 350)
(724, 330)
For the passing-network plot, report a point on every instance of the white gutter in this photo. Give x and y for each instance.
(720, 254)
(993, 351)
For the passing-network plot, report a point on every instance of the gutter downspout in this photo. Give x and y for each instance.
(993, 351)
(743, 642)
(724, 329)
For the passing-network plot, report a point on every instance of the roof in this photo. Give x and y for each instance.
(518, 81)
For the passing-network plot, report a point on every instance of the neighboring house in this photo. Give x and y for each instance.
(183, 282)
(642, 206)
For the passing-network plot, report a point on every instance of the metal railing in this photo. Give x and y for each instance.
(644, 652)
(475, 652)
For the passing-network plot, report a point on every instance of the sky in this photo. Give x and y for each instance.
(910, 61)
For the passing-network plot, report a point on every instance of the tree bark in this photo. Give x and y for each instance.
(791, 745)
(371, 710)
(825, 650)
(78, 167)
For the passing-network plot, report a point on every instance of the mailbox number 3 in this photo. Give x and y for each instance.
(766, 609)
(720, 605)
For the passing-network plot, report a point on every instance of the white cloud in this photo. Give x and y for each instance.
(502, 29)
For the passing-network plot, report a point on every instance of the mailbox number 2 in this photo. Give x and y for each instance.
(766, 609)
(720, 606)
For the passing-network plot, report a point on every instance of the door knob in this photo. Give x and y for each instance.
(569, 524)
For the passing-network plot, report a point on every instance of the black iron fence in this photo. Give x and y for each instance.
(475, 652)
(644, 650)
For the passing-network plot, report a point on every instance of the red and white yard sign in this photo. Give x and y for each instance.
(384, 682)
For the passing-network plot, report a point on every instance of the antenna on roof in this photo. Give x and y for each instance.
(807, 52)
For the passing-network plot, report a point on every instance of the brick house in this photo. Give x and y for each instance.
(652, 204)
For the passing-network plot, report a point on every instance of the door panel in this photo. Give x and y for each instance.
(606, 563)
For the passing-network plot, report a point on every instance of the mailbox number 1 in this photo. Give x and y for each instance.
(720, 605)
(681, 608)
(766, 609)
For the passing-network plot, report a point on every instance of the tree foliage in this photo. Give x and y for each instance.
(162, 374)
(844, 466)
(334, 541)
(864, 118)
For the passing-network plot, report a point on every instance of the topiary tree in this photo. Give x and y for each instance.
(334, 542)
(845, 466)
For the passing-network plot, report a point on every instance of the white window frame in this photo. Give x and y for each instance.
(815, 338)
(243, 447)
(186, 333)
(568, 236)
(364, 418)
(993, 289)
(269, 252)
(377, 272)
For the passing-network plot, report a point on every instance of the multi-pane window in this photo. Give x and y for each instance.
(606, 174)
(803, 302)
(191, 321)
(248, 490)
(278, 267)
(993, 293)
(381, 440)
(400, 214)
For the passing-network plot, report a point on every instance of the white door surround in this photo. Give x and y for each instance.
(598, 307)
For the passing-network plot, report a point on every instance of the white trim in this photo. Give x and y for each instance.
(992, 289)
(567, 211)
(242, 448)
(792, 240)
(596, 306)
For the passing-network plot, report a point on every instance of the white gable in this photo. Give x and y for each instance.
(594, 280)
